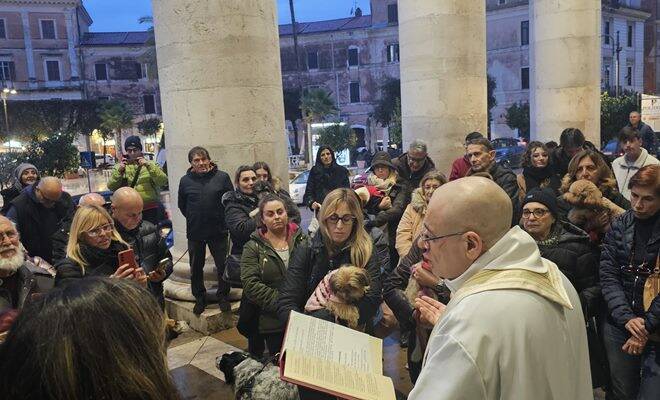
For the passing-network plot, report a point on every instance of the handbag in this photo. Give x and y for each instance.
(248, 318)
(232, 272)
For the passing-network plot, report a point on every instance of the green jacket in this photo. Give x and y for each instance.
(262, 271)
(148, 184)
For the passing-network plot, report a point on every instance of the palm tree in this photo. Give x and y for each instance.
(316, 105)
(115, 115)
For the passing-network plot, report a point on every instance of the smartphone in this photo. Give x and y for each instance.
(128, 257)
(162, 264)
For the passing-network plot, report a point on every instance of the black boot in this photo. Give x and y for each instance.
(200, 305)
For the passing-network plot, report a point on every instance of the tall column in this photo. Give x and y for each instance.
(221, 88)
(565, 68)
(443, 74)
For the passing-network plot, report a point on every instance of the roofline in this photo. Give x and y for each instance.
(341, 28)
(85, 14)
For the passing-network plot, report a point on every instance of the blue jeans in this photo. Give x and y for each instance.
(633, 377)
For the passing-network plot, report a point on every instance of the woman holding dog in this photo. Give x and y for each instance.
(263, 266)
(341, 240)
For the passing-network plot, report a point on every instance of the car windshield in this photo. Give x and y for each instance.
(302, 178)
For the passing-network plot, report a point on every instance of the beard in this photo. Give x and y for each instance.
(11, 264)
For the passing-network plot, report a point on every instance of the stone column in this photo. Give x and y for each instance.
(221, 88)
(443, 74)
(565, 68)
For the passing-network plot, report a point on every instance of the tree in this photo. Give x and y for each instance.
(338, 136)
(293, 113)
(492, 101)
(115, 115)
(614, 113)
(517, 117)
(53, 156)
(386, 105)
(396, 126)
(316, 105)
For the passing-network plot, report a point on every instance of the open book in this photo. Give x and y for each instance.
(333, 359)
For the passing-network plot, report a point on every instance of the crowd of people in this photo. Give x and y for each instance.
(501, 285)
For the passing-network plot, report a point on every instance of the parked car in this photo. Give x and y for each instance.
(297, 187)
(612, 150)
(508, 152)
(108, 162)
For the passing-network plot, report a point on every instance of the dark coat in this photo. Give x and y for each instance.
(309, 264)
(262, 272)
(323, 180)
(408, 179)
(26, 286)
(623, 290)
(37, 224)
(238, 207)
(392, 215)
(647, 135)
(200, 201)
(99, 263)
(507, 180)
(570, 248)
(395, 285)
(8, 195)
(149, 248)
(60, 240)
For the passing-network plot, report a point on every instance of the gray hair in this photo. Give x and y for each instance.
(418, 145)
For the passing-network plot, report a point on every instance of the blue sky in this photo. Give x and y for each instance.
(122, 15)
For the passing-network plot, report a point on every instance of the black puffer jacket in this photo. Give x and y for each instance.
(395, 285)
(200, 201)
(569, 247)
(238, 207)
(149, 248)
(323, 180)
(623, 290)
(99, 263)
(507, 180)
(309, 264)
(37, 224)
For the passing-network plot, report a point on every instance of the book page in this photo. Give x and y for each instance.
(331, 342)
(335, 378)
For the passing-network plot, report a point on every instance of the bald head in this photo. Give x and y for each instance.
(127, 207)
(471, 204)
(49, 191)
(91, 199)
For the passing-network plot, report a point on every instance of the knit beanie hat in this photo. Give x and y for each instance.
(133, 141)
(544, 196)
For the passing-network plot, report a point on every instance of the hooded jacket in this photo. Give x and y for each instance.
(410, 225)
(238, 207)
(623, 170)
(262, 272)
(37, 224)
(200, 201)
(512, 330)
(322, 180)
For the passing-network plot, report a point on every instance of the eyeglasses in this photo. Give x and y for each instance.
(8, 235)
(424, 237)
(538, 213)
(347, 219)
(96, 232)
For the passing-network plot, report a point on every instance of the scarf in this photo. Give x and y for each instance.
(384, 185)
(101, 261)
(541, 177)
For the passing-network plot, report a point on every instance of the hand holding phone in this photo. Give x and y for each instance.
(128, 257)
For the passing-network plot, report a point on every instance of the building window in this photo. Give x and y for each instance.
(354, 89)
(312, 60)
(524, 78)
(101, 71)
(7, 71)
(392, 14)
(606, 32)
(3, 31)
(393, 53)
(53, 70)
(629, 75)
(103, 98)
(47, 29)
(501, 2)
(631, 32)
(353, 57)
(149, 104)
(524, 33)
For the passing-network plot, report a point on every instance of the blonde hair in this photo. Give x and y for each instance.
(359, 241)
(87, 218)
(606, 180)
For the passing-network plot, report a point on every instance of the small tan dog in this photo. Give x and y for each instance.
(339, 292)
(588, 203)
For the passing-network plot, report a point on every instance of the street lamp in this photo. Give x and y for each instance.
(4, 95)
(616, 49)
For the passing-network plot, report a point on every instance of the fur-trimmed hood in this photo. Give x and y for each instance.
(418, 201)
